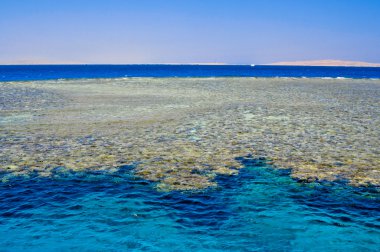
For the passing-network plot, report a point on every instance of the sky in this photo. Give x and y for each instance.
(188, 31)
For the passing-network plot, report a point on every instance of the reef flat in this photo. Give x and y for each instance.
(182, 132)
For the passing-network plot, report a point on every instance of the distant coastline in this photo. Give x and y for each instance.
(340, 63)
(42, 62)
(326, 63)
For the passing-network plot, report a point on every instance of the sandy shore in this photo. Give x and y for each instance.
(183, 132)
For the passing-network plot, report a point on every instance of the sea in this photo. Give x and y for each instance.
(48, 72)
(260, 209)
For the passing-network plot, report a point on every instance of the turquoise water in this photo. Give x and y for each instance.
(261, 209)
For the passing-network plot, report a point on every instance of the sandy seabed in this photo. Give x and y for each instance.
(182, 132)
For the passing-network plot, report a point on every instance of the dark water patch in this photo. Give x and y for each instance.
(260, 209)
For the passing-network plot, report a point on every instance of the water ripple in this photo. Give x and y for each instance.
(260, 209)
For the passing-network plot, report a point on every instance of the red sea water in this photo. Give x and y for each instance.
(45, 72)
(261, 209)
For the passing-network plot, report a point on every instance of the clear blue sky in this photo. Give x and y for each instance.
(182, 31)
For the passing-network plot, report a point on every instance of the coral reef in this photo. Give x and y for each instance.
(182, 132)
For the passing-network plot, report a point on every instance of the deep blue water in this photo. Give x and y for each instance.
(261, 209)
(45, 72)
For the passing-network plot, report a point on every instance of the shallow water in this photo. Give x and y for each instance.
(261, 209)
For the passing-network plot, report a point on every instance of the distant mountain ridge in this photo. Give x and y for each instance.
(326, 63)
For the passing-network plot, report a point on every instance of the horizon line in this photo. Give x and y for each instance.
(325, 62)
